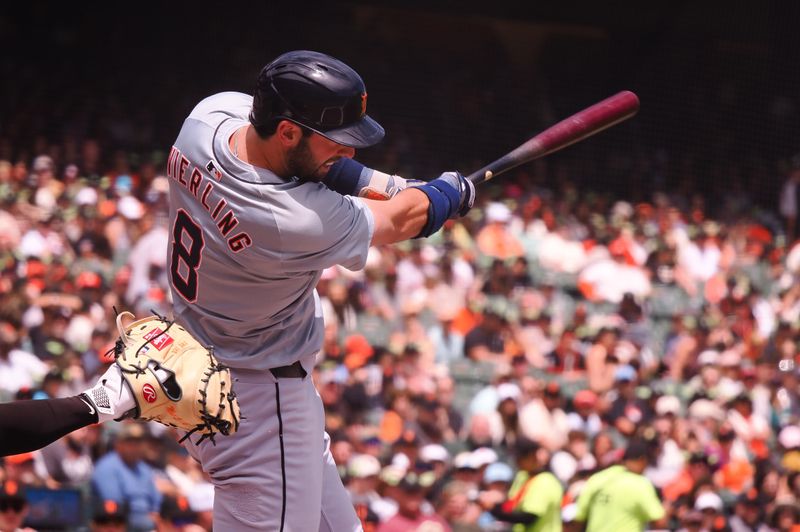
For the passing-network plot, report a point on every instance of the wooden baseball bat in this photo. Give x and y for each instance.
(577, 127)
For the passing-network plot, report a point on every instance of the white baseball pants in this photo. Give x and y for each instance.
(276, 472)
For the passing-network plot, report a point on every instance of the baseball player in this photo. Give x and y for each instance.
(263, 197)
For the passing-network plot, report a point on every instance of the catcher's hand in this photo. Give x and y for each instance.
(173, 379)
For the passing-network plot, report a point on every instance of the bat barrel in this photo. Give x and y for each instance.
(577, 127)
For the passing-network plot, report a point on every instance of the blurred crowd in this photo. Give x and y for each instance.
(472, 379)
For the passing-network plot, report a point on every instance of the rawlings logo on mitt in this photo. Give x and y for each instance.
(174, 379)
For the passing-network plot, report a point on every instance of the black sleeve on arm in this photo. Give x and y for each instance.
(29, 425)
(523, 518)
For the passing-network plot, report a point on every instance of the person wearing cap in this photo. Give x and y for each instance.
(497, 480)
(362, 482)
(13, 507)
(505, 418)
(748, 512)
(25, 468)
(411, 492)
(494, 239)
(710, 505)
(620, 498)
(123, 476)
(466, 468)
(584, 418)
(628, 411)
(109, 516)
(264, 196)
(436, 457)
(51, 385)
(533, 502)
(670, 458)
(176, 515)
(487, 339)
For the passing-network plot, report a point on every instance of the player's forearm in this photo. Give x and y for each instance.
(400, 218)
(29, 425)
(516, 517)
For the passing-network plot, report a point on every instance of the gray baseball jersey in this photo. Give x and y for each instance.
(247, 247)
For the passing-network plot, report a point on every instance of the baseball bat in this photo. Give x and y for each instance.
(577, 127)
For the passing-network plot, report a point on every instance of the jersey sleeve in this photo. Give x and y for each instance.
(649, 504)
(213, 109)
(585, 499)
(320, 228)
(545, 491)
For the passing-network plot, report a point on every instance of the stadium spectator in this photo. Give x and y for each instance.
(620, 498)
(410, 495)
(109, 516)
(534, 499)
(13, 507)
(122, 476)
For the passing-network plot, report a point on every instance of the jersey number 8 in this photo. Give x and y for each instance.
(187, 252)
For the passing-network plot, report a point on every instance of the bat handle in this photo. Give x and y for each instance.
(484, 174)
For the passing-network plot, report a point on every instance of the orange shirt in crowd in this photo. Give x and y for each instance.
(495, 241)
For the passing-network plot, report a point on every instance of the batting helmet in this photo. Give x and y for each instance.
(316, 91)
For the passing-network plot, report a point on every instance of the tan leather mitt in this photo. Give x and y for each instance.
(174, 379)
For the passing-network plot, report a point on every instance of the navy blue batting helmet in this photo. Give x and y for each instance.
(316, 91)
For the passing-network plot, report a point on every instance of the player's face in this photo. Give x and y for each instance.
(313, 156)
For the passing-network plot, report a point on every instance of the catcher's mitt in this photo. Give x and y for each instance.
(174, 379)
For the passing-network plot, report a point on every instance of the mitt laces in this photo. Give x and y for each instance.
(211, 422)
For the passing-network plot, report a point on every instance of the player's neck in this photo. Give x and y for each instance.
(252, 149)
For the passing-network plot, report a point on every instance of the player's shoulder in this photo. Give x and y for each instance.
(548, 479)
(220, 106)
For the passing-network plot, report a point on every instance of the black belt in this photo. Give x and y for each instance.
(293, 371)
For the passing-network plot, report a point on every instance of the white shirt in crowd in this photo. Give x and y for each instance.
(20, 370)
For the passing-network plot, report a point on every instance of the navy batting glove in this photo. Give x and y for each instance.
(451, 195)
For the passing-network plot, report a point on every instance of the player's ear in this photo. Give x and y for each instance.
(289, 133)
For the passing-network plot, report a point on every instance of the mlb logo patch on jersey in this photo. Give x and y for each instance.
(158, 338)
(212, 169)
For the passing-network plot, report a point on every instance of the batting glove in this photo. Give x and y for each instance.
(110, 397)
(451, 195)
